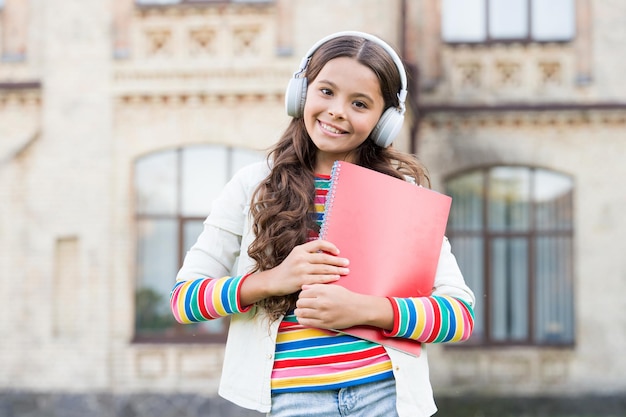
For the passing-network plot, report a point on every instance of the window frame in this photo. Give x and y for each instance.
(491, 40)
(489, 236)
(181, 219)
(167, 3)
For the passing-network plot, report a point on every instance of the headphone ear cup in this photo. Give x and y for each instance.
(388, 127)
(295, 96)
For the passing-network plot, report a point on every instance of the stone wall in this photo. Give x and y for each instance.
(95, 84)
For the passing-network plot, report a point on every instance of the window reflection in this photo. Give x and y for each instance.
(174, 190)
(467, 210)
(164, 2)
(554, 196)
(156, 183)
(204, 173)
(477, 21)
(553, 20)
(520, 260)
(463, 20)
(508, 296)
(157, 1)
(155, 263)
(509, 198)
(508, 19)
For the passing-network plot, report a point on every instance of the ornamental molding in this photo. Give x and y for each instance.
(528, 118)
(207, 9)
(214, 84)
(11, 98)
(192, 100)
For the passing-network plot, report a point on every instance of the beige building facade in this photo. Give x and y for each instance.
(94, 92)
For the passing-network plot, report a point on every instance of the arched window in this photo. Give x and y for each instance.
(174, 190)
(512, 232)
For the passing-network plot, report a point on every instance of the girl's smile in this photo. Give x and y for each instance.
(331, 129)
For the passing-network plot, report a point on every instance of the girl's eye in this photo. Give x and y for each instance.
(326, 91)
(360, 105)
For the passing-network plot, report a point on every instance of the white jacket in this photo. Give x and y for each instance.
(221, 250)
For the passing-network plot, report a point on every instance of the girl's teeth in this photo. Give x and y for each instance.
(330, 128)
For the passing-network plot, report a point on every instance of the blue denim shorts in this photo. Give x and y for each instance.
(377, 399)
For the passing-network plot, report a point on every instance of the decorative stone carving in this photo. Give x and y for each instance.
(158, 42)
(202, 42)
(246, 40)
(551, 72)
(508, 72)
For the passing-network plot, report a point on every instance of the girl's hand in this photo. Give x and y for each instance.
(314, 262)
(335, 307)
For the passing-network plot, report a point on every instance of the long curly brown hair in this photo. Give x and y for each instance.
(283, 202)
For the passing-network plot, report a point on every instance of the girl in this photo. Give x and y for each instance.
(259, 259)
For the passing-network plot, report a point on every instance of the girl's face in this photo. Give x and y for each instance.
(343, 104)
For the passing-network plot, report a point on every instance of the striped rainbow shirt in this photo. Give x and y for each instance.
(308, 359)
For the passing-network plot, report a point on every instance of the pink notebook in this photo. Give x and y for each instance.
(391, 231)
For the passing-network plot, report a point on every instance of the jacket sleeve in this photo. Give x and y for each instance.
(447, 315)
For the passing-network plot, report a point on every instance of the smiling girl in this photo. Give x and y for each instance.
(259, 260)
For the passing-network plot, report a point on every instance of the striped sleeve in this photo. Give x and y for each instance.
(206, 299)
(435, 319)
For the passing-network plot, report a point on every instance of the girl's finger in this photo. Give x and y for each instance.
(320, 245)
(324, 258)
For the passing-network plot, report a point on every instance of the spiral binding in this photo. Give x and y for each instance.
(330, 197)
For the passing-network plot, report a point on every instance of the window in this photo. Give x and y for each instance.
(163, 2)
(174, 190)
(157, 2)
(479, 21)
(511, 229)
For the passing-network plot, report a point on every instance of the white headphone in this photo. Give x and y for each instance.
(390, 122)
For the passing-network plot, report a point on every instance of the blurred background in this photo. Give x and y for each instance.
(121, 120)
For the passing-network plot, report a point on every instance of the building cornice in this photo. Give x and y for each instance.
(20, 85)
(523, 115)
(424, 109)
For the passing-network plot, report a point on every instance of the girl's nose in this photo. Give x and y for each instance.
(336, 111)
